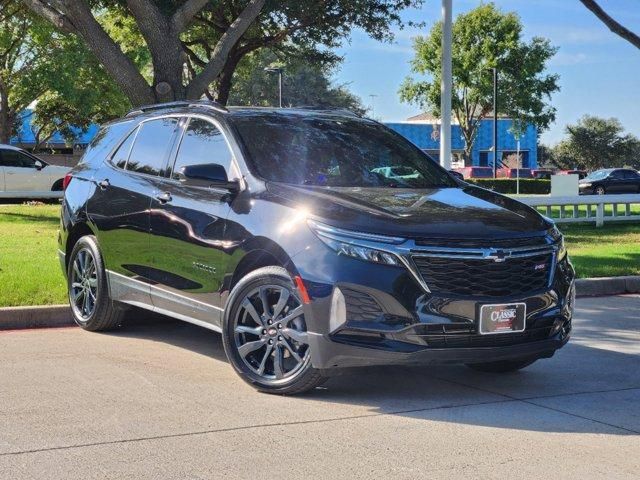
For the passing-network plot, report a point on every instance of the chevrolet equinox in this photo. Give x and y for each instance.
(279, 229)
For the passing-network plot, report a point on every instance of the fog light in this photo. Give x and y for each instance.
(338, 315)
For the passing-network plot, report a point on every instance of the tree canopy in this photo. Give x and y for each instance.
(594, 143)
(484, 38)
(304, 83)
(182, 49)
(53, 74)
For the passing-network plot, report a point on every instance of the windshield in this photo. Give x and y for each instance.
(598, 175)
(335, 151)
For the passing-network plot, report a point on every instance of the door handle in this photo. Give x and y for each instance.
(164, 197)
(104, 184)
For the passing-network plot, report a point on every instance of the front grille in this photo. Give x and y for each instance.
(484, 277)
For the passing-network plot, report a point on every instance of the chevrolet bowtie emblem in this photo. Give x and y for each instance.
(497, 255)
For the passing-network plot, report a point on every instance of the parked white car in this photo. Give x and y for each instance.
(23, 175)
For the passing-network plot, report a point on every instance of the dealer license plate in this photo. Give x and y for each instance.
(503, 318)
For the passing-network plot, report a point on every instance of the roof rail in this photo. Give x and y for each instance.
(326, 108)
(180, 103)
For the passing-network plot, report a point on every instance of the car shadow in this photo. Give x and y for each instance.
(539, 398)
(29, 217)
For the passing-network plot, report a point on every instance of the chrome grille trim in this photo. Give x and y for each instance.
(494, 254)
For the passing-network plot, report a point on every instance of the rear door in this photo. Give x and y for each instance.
(631, 181)
(615, 182)
(119, 207)
(188, 226)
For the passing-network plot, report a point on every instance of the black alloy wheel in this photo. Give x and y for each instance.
(265, 333)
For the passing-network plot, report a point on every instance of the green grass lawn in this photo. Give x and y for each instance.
(29, 269)
(30, 273)
(609, 251)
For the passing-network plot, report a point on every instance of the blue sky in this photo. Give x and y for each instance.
(599, 72)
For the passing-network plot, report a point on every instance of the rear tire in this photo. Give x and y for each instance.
(501, 367)
(88, 290)
(264, 334)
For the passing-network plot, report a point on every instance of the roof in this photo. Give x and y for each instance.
(4, 146)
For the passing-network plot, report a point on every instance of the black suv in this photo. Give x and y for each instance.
(274, 227)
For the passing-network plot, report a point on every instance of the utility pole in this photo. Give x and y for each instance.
(446, 86)
(495, 122)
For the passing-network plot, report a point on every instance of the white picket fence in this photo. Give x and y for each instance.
(588, 208)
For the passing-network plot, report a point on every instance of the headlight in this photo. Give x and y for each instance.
(356, 244)
(558, 239)
(584, 185)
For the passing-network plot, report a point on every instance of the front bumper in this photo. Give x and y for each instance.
(417, 328)
(328, 354)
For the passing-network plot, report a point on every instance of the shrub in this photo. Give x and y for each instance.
(508, 185)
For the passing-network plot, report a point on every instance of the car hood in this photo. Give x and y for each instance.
(465, 212)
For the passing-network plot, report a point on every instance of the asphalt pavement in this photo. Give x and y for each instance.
(158, 400)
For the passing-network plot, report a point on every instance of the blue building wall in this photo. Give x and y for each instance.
(26, 137)
(422, 135)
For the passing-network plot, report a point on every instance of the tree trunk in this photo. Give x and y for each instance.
(225, 80)
(6, 119)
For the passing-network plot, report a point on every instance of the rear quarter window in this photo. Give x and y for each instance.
(104, 142)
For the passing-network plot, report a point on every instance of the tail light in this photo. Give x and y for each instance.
(66, 180)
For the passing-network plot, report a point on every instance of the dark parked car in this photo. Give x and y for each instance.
(610, 180)
(270, 226)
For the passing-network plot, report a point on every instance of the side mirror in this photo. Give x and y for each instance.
(39, 165)
(208, 175)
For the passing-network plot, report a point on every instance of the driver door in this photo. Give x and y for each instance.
(188, 226)
(24, 173)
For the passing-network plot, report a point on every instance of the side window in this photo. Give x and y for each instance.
(151, 146)
(617, 175)
(121, 156)
(202, 143)
(631, 175)
(13, 158)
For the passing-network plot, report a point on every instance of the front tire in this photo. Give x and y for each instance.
(501, 367)
(599, 190)
(265, 335)
(91, 306)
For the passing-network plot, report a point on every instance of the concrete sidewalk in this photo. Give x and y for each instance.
(159, 401)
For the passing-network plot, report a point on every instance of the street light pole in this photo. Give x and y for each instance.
(280, 87)
(279, 72)
(446, 86)
(373, 98)
(495, 122)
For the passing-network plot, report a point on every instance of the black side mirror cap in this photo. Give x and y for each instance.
(207, 175)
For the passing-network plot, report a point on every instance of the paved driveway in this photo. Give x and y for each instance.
(159, 401)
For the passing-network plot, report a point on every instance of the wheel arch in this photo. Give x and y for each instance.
(57, 185)
(259, 252)
(75, 233)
